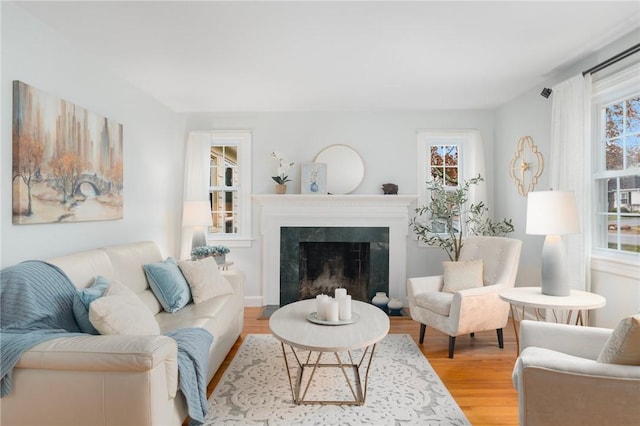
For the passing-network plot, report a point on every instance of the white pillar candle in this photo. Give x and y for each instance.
(333, 310)
(345, 308)
(321, 306)
(340, 292)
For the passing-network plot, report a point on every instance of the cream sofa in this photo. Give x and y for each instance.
(118, 380)
(560, 381)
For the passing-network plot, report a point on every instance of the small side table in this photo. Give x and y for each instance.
(532, 297)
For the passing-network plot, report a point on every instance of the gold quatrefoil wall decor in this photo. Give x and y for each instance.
(526, 165)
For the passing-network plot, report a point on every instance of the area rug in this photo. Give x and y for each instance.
(403, 389)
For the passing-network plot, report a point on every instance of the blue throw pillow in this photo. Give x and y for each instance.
(168, 284)
(83, 298)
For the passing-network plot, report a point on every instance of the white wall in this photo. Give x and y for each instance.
(530, 114)
(153, 144)
(154, 152)
(385, 140)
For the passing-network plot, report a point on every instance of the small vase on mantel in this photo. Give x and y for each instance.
(281, 188)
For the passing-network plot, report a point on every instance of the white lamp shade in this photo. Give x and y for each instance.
(196, 213)
(552, 213)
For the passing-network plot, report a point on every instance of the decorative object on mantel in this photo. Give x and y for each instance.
(526, 165)
(553, 213)
(219, 253)
(281, 177)
(313, 178)
(389, 188)
(447, 211)
(345, 168)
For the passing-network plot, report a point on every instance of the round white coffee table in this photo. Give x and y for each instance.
(308, 342)
(532, 297)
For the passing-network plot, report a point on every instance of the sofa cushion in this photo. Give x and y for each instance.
(168, 284)
(623, 346)
(83, 298)
(205, 279)
(120, 311)
(462, 275)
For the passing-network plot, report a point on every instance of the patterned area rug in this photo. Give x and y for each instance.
(403, 389)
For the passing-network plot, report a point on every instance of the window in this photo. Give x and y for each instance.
(230, 186)
(223, 192)
(444, 163)
(616, 136)
(453, 156)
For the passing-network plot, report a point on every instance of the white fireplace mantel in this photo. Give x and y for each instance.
(278, 211)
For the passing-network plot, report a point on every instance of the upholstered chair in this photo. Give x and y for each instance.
(573, 375)
(465, 299)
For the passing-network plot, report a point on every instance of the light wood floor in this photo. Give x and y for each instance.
(478, 377)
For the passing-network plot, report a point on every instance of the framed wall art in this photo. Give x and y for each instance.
(313, 178)
(67, 161)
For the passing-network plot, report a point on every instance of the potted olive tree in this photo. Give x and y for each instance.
(439, 221)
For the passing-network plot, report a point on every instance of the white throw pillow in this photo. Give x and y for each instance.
(623, 346)
(120, 311)
(462, 275)
(204, 278)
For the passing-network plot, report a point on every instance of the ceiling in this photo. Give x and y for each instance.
(212, 56)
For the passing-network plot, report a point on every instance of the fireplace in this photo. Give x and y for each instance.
(316, 260)
(356, 217)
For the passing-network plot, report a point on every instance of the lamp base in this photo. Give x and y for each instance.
(555, 275)
(199, 238)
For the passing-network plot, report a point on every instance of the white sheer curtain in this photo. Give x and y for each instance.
(569, 164)
(473, 165)
(196, 179)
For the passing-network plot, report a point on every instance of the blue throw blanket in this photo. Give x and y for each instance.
(36, 305)
(193, 362)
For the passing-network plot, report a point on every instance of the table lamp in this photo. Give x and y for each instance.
(553, 213)
(197, 214)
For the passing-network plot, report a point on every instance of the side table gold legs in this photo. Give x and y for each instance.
(307, 369)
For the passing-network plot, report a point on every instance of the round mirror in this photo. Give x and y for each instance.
(345, 169)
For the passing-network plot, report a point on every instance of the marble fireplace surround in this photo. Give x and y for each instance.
(293, 210)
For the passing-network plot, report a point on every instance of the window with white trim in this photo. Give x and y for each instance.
(451, 155)
(616, 161)
(230, 186)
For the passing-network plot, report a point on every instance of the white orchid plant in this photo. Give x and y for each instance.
(283, 167)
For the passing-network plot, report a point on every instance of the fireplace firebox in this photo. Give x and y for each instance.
(316, 260)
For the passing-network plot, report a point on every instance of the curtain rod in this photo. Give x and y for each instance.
(612, 60)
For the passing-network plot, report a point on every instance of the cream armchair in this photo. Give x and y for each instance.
(474, 309)
(560, 381)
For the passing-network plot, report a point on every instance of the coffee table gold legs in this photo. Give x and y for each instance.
(302, 385)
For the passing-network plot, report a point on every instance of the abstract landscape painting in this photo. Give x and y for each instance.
(67, 161)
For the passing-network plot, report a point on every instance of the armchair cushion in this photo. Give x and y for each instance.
(435, 301)
(462, 275)
(120, 311)
(623, 346)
